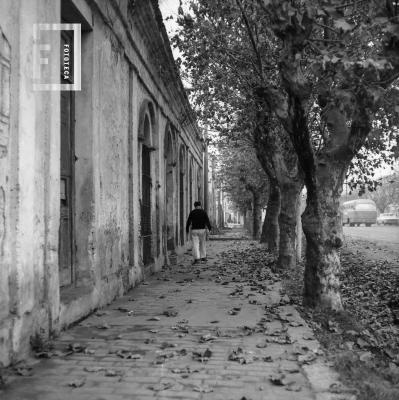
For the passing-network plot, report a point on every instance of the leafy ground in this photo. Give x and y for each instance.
(362, 341)
(223, 330)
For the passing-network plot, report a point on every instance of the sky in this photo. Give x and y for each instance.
(169, 7)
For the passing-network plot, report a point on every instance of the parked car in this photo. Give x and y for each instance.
(388, 219)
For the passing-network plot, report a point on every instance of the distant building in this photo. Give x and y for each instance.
(95, 184)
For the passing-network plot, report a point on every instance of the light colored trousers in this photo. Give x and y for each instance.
(199, 243)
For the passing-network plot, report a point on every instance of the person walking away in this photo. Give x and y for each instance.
(199, 221)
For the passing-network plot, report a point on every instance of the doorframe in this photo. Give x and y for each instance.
(72, 188)
(147, 111)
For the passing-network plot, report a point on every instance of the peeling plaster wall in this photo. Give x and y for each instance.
(111, 149)
(102, 241)
(29, 184)
(123, 67)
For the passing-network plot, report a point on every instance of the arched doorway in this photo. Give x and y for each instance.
(199, 184)
(146, 185)
(182, 203)
(147, 198)
(170, 163)
(190, 185)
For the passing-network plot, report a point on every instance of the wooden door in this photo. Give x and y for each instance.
(146, 182)
(182, 227)
(67, 157)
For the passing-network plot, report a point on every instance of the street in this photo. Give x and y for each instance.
(376, 233)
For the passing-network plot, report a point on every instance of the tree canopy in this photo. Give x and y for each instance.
(314, 83)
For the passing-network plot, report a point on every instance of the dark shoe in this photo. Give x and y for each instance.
(195, 262)
(204, 260)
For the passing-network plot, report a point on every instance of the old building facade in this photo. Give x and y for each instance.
(95, 184)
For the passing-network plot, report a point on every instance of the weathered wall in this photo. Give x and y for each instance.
(127, 71)
(29, 180)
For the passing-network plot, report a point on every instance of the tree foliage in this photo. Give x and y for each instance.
(325, 70)
(241, 175)
(387, 193)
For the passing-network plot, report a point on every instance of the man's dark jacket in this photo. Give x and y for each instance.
(198, 219)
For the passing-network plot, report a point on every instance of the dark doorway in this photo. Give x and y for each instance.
(191, 186)
(181, 186)
(130, 169)
(67, 182)
(170, 187)
(146, 232)
(199, 194)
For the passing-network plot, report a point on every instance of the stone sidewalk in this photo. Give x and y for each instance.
(189, 332)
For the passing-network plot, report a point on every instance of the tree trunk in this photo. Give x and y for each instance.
(322, 226)
(263, 235)
(248, 221)
(270, 231)
(256, 216)
(290, 192)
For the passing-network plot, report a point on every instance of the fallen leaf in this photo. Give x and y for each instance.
(308, 336)
(307, 358)
(101, 313)
(46, 354)
(202, 356)
(166, 345)
(161, 386)
(103, 326)
(93, 369)
(203, 389)
(23, 371)
(207, 338)
(295, 324)
(123, 309)
(170, 313)
(277, 379)
(241, 356)
(113, 373)
(77, 383)
(76, 347)
(291, 369)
